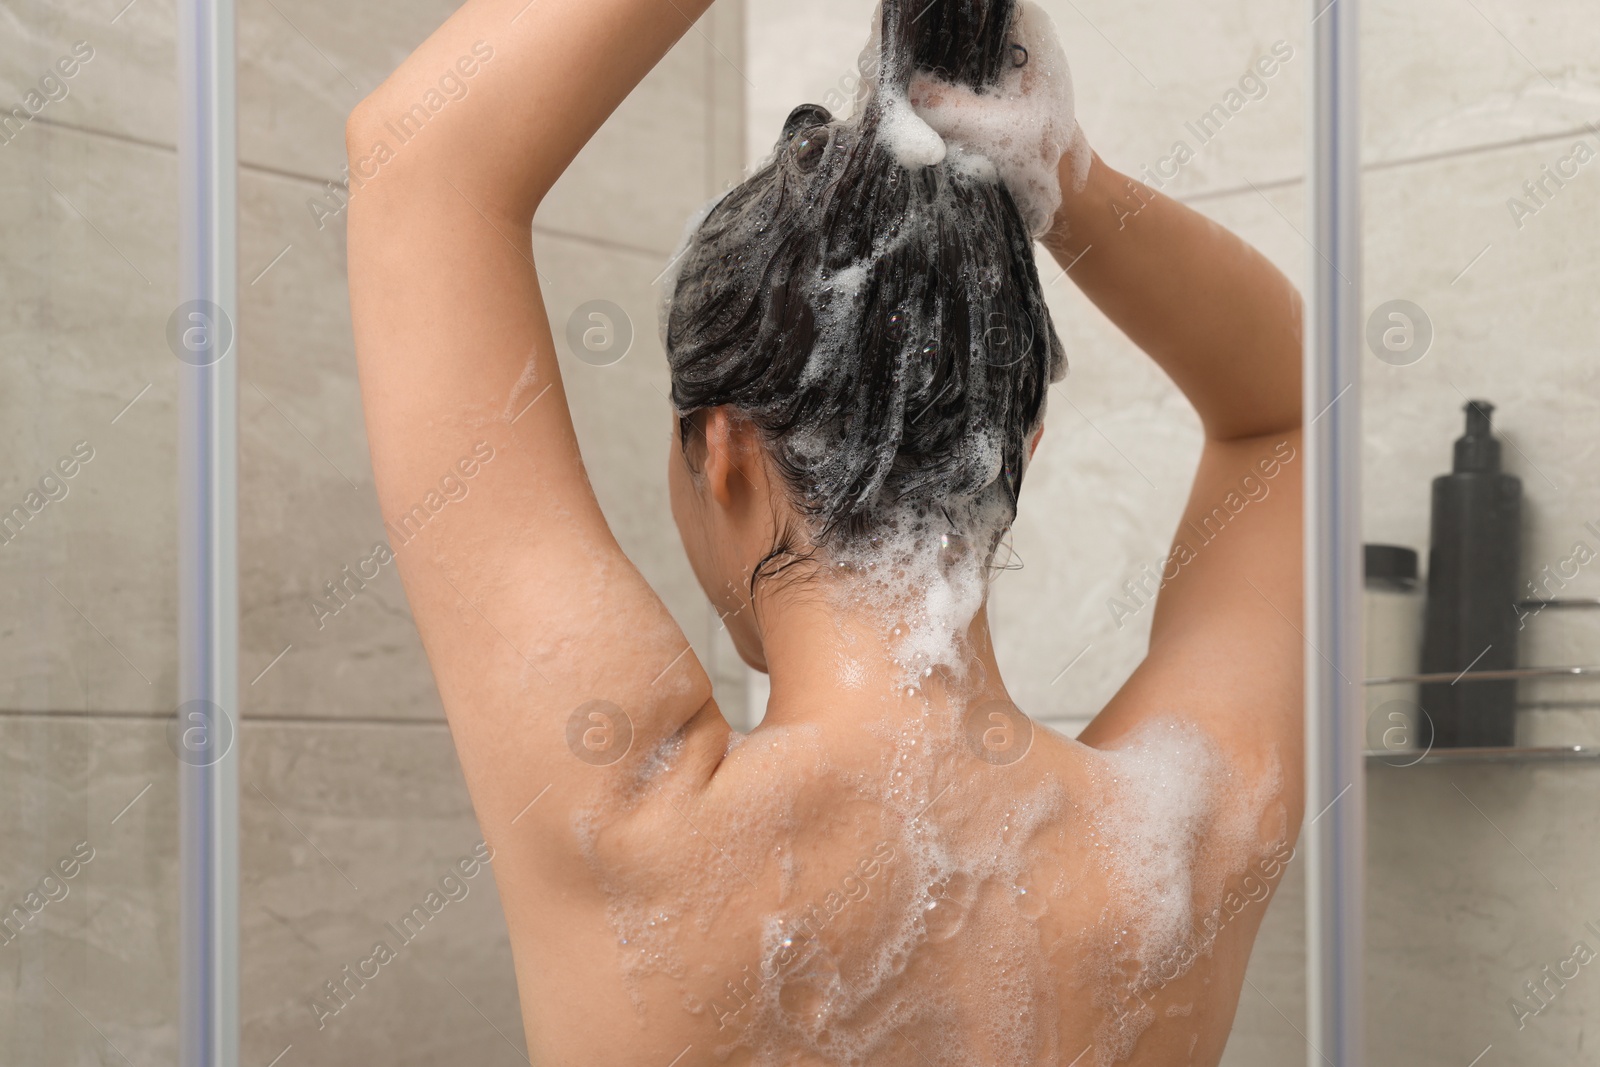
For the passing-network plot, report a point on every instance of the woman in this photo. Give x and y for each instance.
(896, 867)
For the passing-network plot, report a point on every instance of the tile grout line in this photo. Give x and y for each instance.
(297, 176)
(1400, 162)
(1463, 151)
(103, 717)
(106, 717)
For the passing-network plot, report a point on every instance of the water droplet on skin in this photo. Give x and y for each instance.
(805, 995)
(944, 918)
(1030, 905)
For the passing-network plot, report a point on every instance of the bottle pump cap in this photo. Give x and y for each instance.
(1479, 449)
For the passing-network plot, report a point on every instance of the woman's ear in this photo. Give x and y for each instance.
(1038, 435)
(728, 440)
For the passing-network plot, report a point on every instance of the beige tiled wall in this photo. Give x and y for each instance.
(352, 805)
(1478, 877)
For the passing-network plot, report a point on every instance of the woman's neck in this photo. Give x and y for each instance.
(829, 655)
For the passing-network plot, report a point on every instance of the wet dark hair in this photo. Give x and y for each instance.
(884, 328)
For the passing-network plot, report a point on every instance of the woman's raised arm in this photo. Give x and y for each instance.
(1225, 324)
(1217, 316)
(549, 72)
(527, 607)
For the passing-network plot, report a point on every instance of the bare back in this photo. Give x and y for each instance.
(853, 884)
(1071, 907)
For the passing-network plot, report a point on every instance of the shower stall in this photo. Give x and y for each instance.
(224, 767)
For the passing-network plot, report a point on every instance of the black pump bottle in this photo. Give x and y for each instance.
(1472, 618)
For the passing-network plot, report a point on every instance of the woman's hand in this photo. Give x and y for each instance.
(1025, 125)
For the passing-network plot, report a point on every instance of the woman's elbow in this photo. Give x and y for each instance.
(366, 140)
(381, 175)
(356, 125)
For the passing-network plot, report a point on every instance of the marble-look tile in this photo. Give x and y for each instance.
(655, 162)
(89, 272)
(1477, 878)
(307, 507)
(729, 90)
(103, 792)
(1105, 491)
(383, 807)
(344, 829)
(1502, 299)
(128, 83)
(651, 165)
(303, 65)
(1153, 75)
(1458, 920)
(1439, 76)
(307, 493)
(1141, 71)
(799, 54)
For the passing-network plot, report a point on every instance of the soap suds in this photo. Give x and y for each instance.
(908, 136)
(1164, 779)
(1173, 824)
(926, 580)
(952, 917)
(658, 895)
(844, 976)
(1021, 128)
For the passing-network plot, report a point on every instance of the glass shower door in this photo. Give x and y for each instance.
(353, 811)
(88, 533)
(1482, 191)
